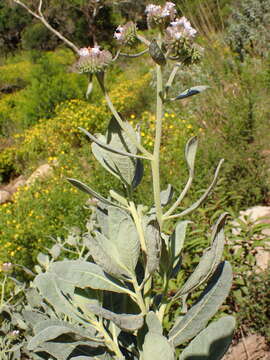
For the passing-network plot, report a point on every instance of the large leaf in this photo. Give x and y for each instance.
(153, 323)
(177, 239)
(157, 347)
(189, 325)
(209, 260)
(123, 242)
(212, 343)
(190, 153)
(49, 289)
(85, 188)
(101, 257)
(83, 274)
(166, 195)
(153, 245)
(51, 332)
(127, 322)
(126, 169)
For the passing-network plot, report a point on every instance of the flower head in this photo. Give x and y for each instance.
(92, 60)
(160, 15)
(126, 34)
(6, 267)
(180, 28)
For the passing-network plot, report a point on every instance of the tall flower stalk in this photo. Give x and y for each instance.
(105, 304)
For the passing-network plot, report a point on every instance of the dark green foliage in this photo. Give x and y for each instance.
(37, 36)
(248, 30)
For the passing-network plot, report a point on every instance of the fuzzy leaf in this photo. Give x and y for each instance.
(83, 274)
(126, 322)
(123, 243)
(123, 167)
(166, 195)
(49, 289)
(177, 239)
(157, 347)
(201, 312)
(101, 257)
(153, 245)
(190, 153)
(213, 342)
(83, 187)
(209, 260)
(153, 323)
(192, 91)
(156, 53)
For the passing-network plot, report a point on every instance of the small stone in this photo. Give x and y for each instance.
(5, 196)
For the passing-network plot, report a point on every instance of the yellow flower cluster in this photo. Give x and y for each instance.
(53, 136)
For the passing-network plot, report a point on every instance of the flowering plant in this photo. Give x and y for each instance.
(105, 304)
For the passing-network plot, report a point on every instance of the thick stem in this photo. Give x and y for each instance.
(156, 155)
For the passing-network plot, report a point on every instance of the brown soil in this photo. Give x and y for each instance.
(252, 347)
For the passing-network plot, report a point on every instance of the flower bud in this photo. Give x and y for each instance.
(126, 34)
(13, 334)
(92, 60)
(6, 267)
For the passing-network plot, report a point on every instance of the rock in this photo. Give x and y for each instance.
(5, 196)
(41, 172)
(253, 347)
(13, 186)
(257, 215)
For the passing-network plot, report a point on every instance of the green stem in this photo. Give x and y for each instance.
(156, 155)
(3, 290)
(139, 296)
(115, 113)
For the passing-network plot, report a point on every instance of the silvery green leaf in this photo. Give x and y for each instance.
(156, 53)
(153, 323)
(33, 297)
(55, 251)
(195, 205)
(206, 306)
(47, 285)
(121, 166)
(190, 153)
(213, 342)
(83, 274)
(191, 91)
(209, 260)
(102, 218)
(127, 322)
(101, 142)
(166, 195)
(101, 256)
(157, 347)
(123, 243)
(83, 187)
(33, 317)
(68, 328)
(177, 240)
(153, 245)
(68, 350)
(43, 260)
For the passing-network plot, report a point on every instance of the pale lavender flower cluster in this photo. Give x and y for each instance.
(6, 267)
(157, 14)
(180, 28)
(119, 33)
(126, 34)
(88, 51)
(92, 60)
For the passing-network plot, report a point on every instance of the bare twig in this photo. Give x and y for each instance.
(41, 17)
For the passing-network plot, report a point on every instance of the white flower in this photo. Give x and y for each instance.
(84, 51)
(152, 10)
(118, 32)
(95, 50)
(181, 27)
